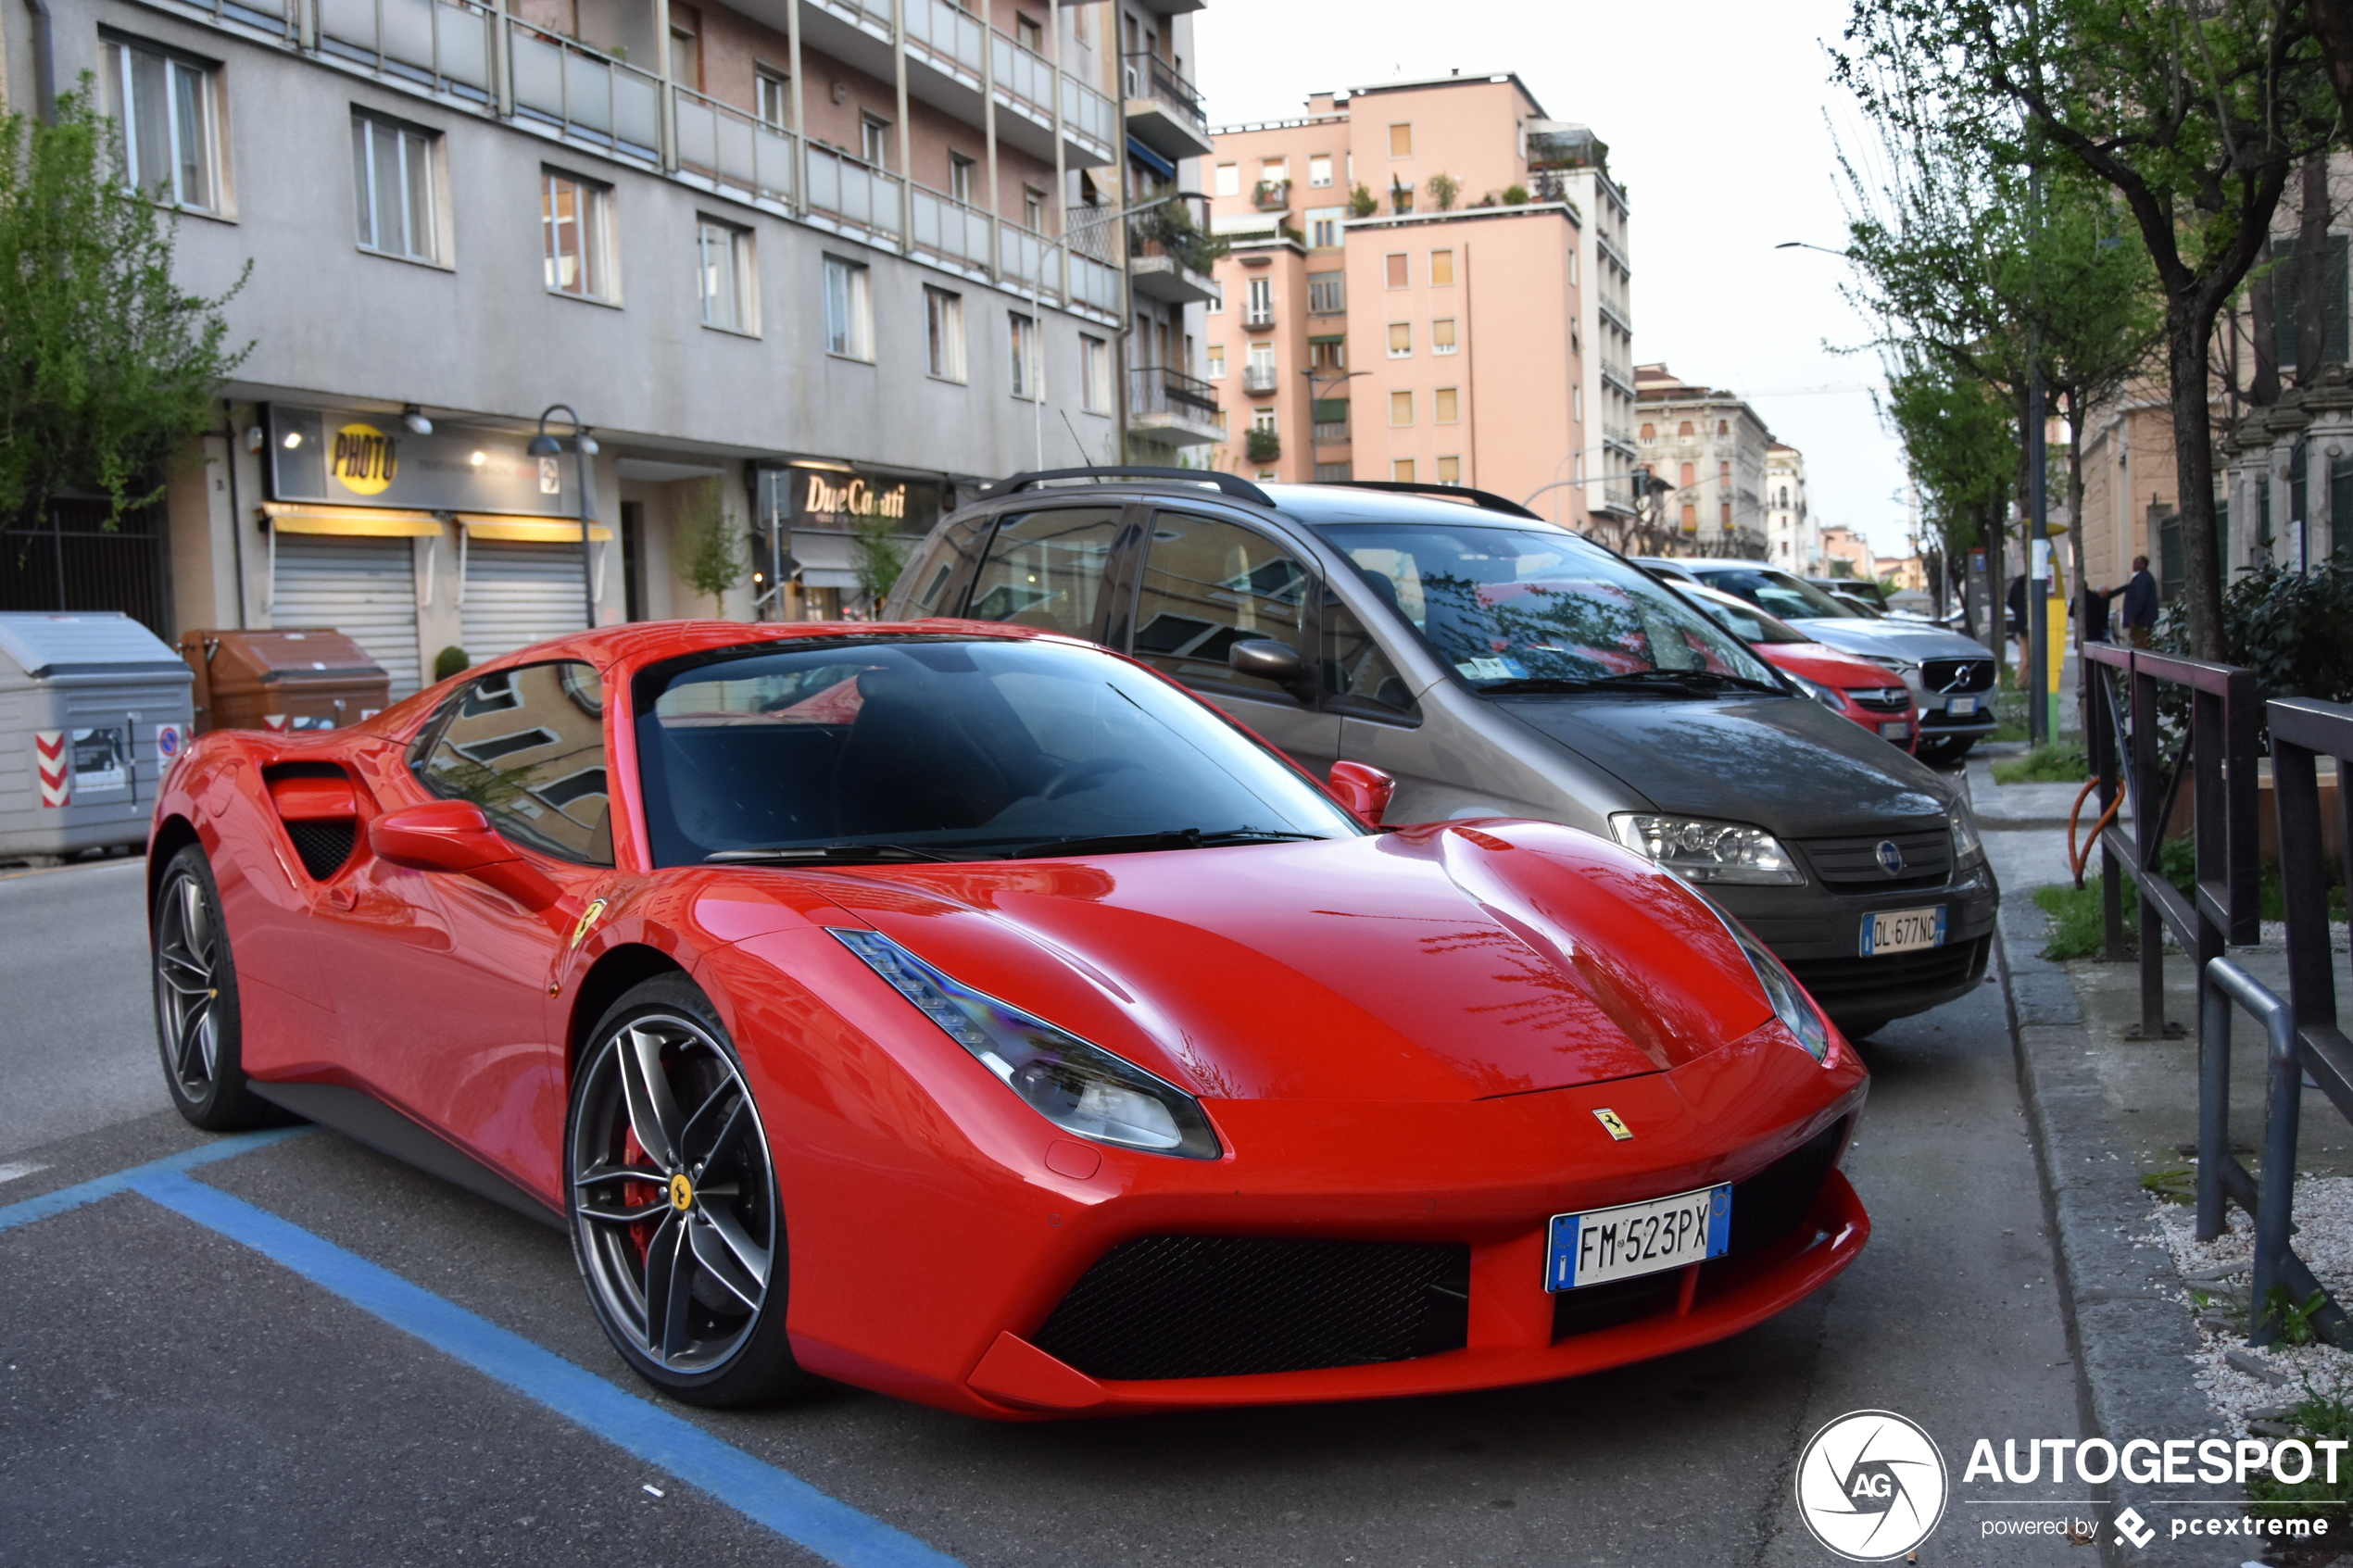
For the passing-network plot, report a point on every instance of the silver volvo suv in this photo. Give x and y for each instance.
(1499, 666)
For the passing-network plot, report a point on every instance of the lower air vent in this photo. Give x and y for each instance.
(1769, 1204)
(324, 846)
(1205, 1306)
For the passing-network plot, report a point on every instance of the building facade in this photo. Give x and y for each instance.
(1709, 447)
(1792, 541)
(1171, 411)
(1846, 553)
(802, 264)
(1405, 296)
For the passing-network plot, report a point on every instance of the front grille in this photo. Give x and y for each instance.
(1957, 674)
(1211, 1306)
(1854, 981)
(323, 845)
(1621, 1300)
(1887, 699)
(1853, 863)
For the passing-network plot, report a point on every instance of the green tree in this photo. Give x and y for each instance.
(1443, 189)
(713, 562)
(1960, 444)
(2195, 116)
(1362, 203)
(108, 366)
(881, 555)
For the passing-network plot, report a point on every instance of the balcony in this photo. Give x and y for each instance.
(1171, 408)
(1166, 278)
(1164, 112)
(1271, 195)
(1617, 375)
(1259, 381)
(1258, 318)
(1263, 445)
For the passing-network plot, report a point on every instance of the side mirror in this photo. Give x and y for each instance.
(1271, 661)
(1364, 789)
(453, 835)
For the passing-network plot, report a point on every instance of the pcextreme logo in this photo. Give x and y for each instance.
(1872, 1486)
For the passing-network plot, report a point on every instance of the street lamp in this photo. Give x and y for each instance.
(1801, 244)
(583, 446)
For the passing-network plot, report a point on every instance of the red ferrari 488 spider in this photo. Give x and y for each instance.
(977, 1016)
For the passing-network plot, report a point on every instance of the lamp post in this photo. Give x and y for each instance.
(1037, 300)
(583, 446)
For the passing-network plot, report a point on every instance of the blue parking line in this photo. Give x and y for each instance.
(760, 1491)
(58, 1202)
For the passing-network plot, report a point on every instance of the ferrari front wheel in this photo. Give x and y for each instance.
(677, 1222)
(198, 1023)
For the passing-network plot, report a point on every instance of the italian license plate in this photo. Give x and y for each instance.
(1639, 1238)
(1902, 931)
(1894, 729)
(1963, 705)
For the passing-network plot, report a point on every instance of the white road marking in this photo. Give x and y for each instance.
(14, 1169)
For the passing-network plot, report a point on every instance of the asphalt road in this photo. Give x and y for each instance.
(172, 1396)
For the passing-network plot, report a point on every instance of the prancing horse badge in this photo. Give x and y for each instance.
(1615, 1123)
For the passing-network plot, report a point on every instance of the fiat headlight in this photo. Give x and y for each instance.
(1079, 1087)
(1829, 696)
(1703, 851)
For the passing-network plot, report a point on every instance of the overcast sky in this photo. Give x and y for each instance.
(1714, 113)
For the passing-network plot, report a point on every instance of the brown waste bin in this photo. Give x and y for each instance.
(306, 678)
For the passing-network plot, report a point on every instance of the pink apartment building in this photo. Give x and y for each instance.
(1427, 281)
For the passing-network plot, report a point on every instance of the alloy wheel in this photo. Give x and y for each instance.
(672, 1197)
(188, 984)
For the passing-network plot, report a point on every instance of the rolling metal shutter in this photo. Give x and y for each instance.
(364, 588)
(520, 594)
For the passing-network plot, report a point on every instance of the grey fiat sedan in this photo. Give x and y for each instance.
(1499, 666)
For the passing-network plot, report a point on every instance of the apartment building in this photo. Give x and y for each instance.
(1842, 544)
(833, 254)
(1792, 540)
(1432, 239)
(1171, 409)
(1710, 447)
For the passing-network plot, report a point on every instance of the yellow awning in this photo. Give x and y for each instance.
(529, 531)
(372, 522)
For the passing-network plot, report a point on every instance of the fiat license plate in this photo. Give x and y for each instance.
(1902, 931)
(1962, 705)
(1639, 1238)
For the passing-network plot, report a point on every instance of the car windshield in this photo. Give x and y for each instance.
(1744, 620)
(1524, 606)
(947, 749)
(1779, 594)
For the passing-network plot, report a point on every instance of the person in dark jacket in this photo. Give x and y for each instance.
(2018, 616)
(2092, 612)
(2139, 603)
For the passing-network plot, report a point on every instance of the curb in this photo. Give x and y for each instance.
(2132, 1337)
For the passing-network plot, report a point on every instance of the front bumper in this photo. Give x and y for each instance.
(1938, 722)
(1818, 931)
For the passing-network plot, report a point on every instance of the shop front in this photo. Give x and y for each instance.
(818, 519)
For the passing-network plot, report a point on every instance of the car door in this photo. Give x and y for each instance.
(444, 978)
(1209, 583)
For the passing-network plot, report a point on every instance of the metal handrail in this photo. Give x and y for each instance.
(1165, 84)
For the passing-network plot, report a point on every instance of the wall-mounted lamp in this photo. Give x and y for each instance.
(820, 463)
(294, 439)
(841, 91)
(588, 447)
(254, 438)
(478, 459)
(414, 417)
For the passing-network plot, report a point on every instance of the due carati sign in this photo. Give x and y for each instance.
(856, 497)
(839, 500)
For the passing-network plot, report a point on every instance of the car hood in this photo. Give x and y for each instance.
(1832, 667)
(1448, 962)
(1891, 639)
(1789, 766)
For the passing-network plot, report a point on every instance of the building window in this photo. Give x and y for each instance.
(1649, 433)
(1319, 168)
(1441, 335)
(1261, 311)
(960, 177)
(1401, 340)
(944, 334)
(1216, 361)
(1263, 420)
(1334, 473)
(1229, 180)
(1274, 170)
(1441, 269)
(1572, 268)
(1326, 293)
(1021, 340)
(1577, 403)
(1260, 378)
(1445, 405)
(1450, 471)
(1033, 209)
(849, 310)
(1723, 427)
(392, 175)
(723, 274)
(1400, 408)
(686, 58)
(576, 220)
(1402, 470)
(774, 92)
(1397, 275)
(165, 105)
(1684, 431)
(874, 140)
(1029, 32)
(1328, 353)
(1094, 373)
(1323, 226)
(1400, 141)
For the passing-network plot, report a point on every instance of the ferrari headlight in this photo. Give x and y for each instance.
(1699, 851)
(1791, 1004)
(1079, 1087)
(1829, 696)
(1966, 844)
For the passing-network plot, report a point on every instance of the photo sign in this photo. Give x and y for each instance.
(324, 456)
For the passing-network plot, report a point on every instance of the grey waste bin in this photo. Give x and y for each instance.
(93, 707)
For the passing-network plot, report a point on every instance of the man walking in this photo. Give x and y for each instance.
(2139, 603)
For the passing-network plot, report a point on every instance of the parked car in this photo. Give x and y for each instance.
(1854, 688)
(1092, 1057)
(1499, 666)
(1862, 594)
(1951, 675)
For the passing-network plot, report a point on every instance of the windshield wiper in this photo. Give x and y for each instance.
(1539, 684)
(822, 854)
(1698, 678)
(1170, 838)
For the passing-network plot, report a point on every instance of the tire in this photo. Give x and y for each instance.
(198, 1026)
(677, 1224)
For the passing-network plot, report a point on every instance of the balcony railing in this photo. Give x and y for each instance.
(1271, 195)
(586, 94)
(1156, 389)
(1147, 75)
(949, 229)
(1259, 380)
(1028, 258)
(852, 192)
(733, 150)
(435, 43)
(953, 36)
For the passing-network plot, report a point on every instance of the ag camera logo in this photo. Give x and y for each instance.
(1872, 1486)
